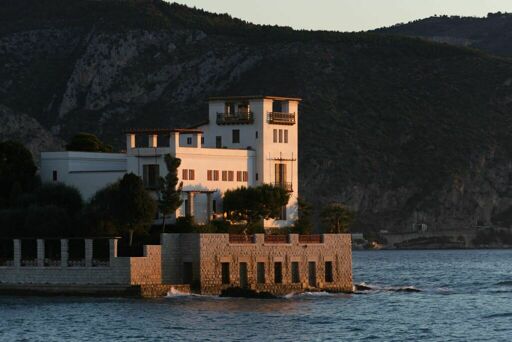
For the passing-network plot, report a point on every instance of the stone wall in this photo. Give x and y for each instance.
(147, 269)
(115, 271)
(215, 249)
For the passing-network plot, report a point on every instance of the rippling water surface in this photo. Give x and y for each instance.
(465, 295)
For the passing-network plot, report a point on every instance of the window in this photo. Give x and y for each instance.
(191, 175)
(150, 175)
(295, 272)
(286, 136)
(236, 136)
(202, 140)
(209, 175)
(215, 175)
(275, 135)
(244, 176)
(225, 272)
(239, 176)
(256, 134)
(214, 206)
(260, 272)
(312, 273)
(189, 141)
(231, 176)
(278, 273)
(243, 275)
(328, 271)
(184, 174)
(280, 135)
(229, 108)
(243, 107)
(54, 175)
(224, 176)
(256, 176)
(218, 141)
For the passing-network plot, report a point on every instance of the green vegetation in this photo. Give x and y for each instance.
(304, 224)
(337, 218)
(254, 204)
(52, 210)
(17, 172)
(169, 191)
(124, 207)
(87, 142)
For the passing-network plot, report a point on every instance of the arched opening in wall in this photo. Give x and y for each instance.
(100, 252)
(52, 252)
(76, 252)
(28, 252)
(6, 252)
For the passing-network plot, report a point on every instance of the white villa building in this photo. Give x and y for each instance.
(247, 141)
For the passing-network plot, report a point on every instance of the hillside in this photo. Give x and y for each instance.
(492, 34)
(403, 130)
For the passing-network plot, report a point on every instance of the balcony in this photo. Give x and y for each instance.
(239, 118)
(287, 186)
(280, 118)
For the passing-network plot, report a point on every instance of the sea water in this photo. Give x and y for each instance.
(464, 296)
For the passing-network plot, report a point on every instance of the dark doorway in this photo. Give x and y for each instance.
(225, 273)
(243, 275)
(278, 273)
(218, 141)
(312, 273)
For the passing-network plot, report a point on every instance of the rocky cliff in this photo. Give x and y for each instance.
(404, 131)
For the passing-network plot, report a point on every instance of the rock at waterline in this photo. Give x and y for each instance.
(245, 293)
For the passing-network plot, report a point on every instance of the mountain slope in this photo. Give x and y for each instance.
(404, 131)
(492, 34)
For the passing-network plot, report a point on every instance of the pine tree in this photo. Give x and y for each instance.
(170, 191)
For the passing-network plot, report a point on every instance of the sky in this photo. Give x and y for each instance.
(346, 15)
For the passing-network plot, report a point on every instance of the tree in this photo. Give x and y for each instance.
(304, 225)
(87, 142)
(60, 195)
(17, 171)
(134, 209)
(98, 215)
(337, 217)
(255, 203)
(169, 196)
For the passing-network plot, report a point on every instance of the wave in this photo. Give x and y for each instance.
(504, 283)
(364, 287)
(500, 315)
(309, 294)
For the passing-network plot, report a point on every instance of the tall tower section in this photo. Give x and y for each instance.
(269, 126)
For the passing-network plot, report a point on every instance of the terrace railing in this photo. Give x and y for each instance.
(317, 238)
(276, 238)
(280, 118)
(240, 238)
(238, 118)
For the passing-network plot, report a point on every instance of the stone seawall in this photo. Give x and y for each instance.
(205, 255)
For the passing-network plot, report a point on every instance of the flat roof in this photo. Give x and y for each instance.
(254, 97)
(162, 130)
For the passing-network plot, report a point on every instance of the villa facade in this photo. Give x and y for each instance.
(246, 141)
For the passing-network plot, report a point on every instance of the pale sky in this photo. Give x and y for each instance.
(346, 15)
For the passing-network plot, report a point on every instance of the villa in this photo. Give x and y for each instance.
(247, 141)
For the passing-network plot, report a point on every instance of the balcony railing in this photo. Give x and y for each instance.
(234, 238)
(276, 238)
(287, 186)
(239, 118)
(280, 118)
(310, 238)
